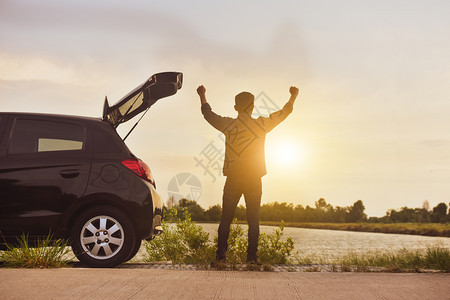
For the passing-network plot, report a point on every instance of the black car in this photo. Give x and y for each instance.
(75, 178)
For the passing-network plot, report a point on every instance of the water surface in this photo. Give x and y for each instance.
(329, 244)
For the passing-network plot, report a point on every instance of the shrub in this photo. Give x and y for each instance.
(237, 245)
(185, 242)
(182, 242)
(272, 249)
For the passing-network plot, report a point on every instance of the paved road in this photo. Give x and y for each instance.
(79, 283)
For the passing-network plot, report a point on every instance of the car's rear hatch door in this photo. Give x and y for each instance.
(158, 86)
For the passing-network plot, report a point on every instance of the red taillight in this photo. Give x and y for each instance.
(140, 168)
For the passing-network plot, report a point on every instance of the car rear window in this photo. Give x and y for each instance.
(32, 136)
(106, 139)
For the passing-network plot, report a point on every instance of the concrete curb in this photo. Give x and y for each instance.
(324, 268)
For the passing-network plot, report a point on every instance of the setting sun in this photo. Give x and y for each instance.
(286, 153)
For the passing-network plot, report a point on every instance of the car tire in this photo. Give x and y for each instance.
(137, 246)
(103, 236)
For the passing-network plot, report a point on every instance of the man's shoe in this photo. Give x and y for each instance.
(253, 265)
(219, 263)
(253, 262)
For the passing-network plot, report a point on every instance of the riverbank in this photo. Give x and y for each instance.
(425, 229)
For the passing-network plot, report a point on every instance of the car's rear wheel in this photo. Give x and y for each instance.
(103, 237)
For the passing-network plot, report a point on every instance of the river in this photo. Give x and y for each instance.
(329, 244)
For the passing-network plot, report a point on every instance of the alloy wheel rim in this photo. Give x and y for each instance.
(102, 237)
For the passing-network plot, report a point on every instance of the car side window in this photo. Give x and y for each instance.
(33, 136)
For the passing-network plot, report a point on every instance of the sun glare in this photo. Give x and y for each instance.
(286, 153)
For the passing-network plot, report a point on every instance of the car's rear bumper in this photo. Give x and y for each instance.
(157, 213)
(148, 214)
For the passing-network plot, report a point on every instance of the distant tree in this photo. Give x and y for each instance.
(439, 214)
(310, 214)
(391, 215)
(197, 212)
(356, 213)
(448, 214)
(406, 215)
(416, 215)
(324, 211)
(374, 220)
(339, 214)
(276, 211)
(426, 205)
(322, 205)
(171, 202)
(214, 213)
(240, 213)
(299, 213)
(422, 215)
(440, 209)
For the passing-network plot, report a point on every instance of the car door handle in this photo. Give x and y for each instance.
(70, 173)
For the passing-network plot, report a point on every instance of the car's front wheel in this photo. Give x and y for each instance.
(103, 237)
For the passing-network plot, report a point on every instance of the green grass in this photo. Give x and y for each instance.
(47, 254)
(434, 257)
(426, 229)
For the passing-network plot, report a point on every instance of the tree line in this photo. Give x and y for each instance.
(322, 212)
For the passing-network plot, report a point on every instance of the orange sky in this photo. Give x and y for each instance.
(371, 122)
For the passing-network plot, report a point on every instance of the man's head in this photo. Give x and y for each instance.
(244, 103)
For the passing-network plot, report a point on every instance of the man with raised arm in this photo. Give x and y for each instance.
(244, 163)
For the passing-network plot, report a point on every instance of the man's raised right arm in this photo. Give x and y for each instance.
(201, 91)
(218, 122)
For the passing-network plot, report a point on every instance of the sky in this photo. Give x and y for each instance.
(371, 122)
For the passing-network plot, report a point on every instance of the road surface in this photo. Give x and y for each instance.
(83, 283)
